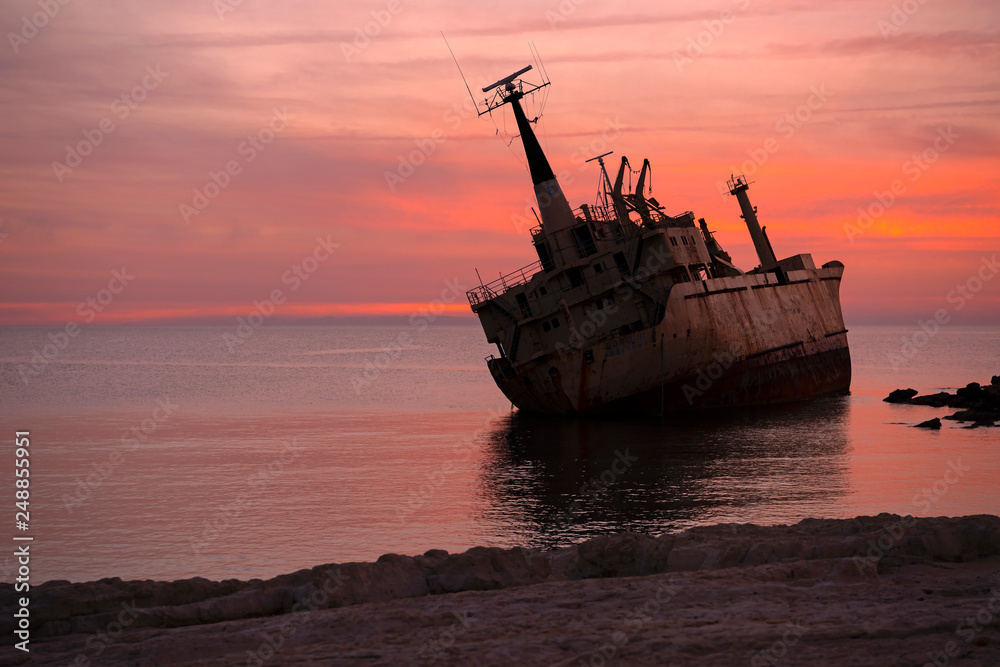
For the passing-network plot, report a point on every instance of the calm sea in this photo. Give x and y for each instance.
(159, 453)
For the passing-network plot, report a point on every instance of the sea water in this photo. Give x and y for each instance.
(165, 453)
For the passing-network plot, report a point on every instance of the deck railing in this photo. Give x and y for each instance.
(493, 289)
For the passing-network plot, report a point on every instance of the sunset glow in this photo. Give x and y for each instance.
(212, 149)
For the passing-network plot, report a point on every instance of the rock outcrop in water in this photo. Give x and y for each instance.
(870, 590)
(980, 404)
(900, 396)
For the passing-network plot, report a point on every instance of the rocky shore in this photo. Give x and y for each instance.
(883, 590)
(980, 403)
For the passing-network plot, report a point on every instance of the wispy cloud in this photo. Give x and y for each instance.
(355, 119)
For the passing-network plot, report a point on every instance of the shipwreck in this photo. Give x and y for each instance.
(631, 309)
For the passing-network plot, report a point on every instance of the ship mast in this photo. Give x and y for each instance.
(612, 193)
(738, 187)
(554, 210)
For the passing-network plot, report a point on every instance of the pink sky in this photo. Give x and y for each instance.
(625, 78)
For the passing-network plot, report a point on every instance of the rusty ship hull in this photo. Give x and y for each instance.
(700, 356)
(630, 309)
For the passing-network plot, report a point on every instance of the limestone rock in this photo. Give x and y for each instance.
(869, 590)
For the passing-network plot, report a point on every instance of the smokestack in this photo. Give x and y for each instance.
(553, 208)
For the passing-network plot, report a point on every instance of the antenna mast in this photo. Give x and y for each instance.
(556, 216)
(607, 181)
(460, 71)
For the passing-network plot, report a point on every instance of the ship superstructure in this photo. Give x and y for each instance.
(631, 309)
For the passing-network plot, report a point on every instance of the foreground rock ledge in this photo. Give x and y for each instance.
(879, 590)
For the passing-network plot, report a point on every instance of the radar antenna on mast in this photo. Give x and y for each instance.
(511, 84)
(505, 86)
(607, 181)
(507, 80)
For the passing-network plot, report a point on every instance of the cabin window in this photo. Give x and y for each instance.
(684, 240)
(692, 241)
(555, 322)
(543, 256)
(588, 356)
(611, 300)
(546, 326)
(600, 304)
(575, 277)
(598, 268)
(622, 264)
(673, 240)
(584, 240)
(522, 301)
(542, 290)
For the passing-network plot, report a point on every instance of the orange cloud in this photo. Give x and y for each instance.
(698, 95)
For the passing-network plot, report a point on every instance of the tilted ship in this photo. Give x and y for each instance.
(631, 309)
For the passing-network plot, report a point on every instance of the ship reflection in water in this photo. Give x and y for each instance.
(547, 481)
